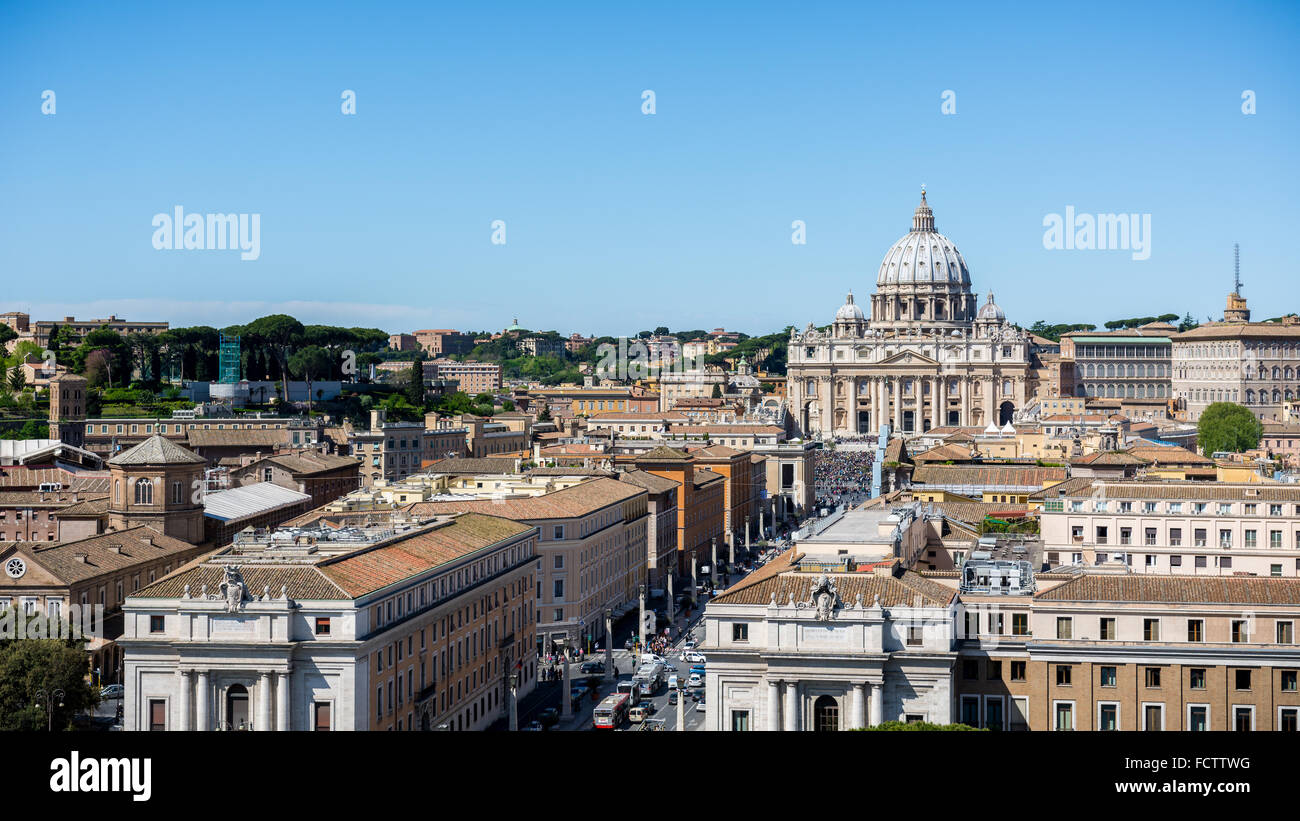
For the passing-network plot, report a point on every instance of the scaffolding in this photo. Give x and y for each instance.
(228, 360)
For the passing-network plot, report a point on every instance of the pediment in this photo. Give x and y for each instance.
(908, 358)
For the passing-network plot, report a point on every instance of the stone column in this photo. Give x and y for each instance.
(792, 706)
(282, 702)
(877, 709)
(898, 405)
(641, 613)
(747, 541)
(964, 385)
(731, 549)
(713, 558)
(184, 723)
(773, 705)
(881, 414)
(989, 400)
(264, 702)
(695, 582)
(859, 705)
(672, 610)
(934, 402)
(943, 400)
(202, 720)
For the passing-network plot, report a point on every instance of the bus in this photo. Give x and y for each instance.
(631, 688)
(611, 712)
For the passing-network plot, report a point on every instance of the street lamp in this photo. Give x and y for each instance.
(50, 699)
(514, 702)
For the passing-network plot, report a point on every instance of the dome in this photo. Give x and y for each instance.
(849, 312)
(991, 311)
(923, 255)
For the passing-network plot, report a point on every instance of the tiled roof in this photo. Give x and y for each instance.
(157, 450)
(663, 453)
(647, 480)
(1103, 587)
(303, 582)
(1238, 330)
(473, 466)
(243, 437)
(1070, 487)
(705, 477)
(894, 592)
(306, 464)
(615, 416)
(139, 544)
(1193, 490)
(578, 500)
(718, 452)
(1112, 458)
(943, 453)
(896, 451)
(1169, 455)
(974, 512)
(41, 499)
(89, 507)
(18, 476)
(369, 570)
(987, 475)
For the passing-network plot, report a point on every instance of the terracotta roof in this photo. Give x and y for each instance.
(896, 451)
(578, 500)
(614, 416)
(41, 499)
(90, 507)
(718, 452)
(306, 464)
(943, 453)
(369, 570)
(987, 475)
(1169, 455)
(139, 544)
(1070, 487)
(663, 453)
(468, 466)
(785, 582)
(649, 481)
(973, 512)
(1110, 458)
(157, 450)
(303, 582)
(242, 437)
(1239, 330)
(705, 477)
(21, 476)
(1193, 490)
(1104, 587)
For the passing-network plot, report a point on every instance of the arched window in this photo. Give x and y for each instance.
(1006, 387)
(1250, 397)
(143, 492)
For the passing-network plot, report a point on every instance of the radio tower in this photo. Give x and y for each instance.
(1236, 269)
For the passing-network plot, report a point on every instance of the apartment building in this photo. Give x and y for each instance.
(1134, 366)
(1189, 528)
(661, 525)
(414, 627)
(106, 436)
(325, 477)
(592, 401)
(742, 490)
(592, 549)
(35, 515)
(388, 450)
(701, 503)
(443, 341)
(42, 329)
(473, 377)
(1256, 364)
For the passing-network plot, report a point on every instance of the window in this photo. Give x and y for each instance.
(1175, 537)
(1196, 678)
(321, 716)
(915, 637)
(157, 714)
(740, 721)
(1018, 670)
(559, 561)
(322, 625)
(1288, 681)
(1239, 631)
(1019, 624)
(970, 711)
(1243, 719)
(1195, 630)
(1151, 629)
(1107, 716)
(970, 669)
(1152, 676)
(1064, 715)
(740, 632)
(1107, 629)
(1153, 717)
(1063, 675)
(558, 533)
(1064, 627)
(1242, 679)
(995, 670)
(157, 624)
(1288, 719)
(1108, 677)
(1285, 632)
(559, 590)
(1198, 718)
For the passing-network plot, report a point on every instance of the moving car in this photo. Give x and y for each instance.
(698, 669)
(637, 714)
(696, 680)
(672, 696)
(112, 691)
(695, 658)
(549, 716)
(592, 667)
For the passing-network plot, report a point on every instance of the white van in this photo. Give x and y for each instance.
(672, 681)
(651, 658)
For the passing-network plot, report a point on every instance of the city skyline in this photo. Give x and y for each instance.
(700, 198)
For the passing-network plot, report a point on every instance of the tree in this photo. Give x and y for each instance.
(310, 363)
(507, 405)
(545, 414)
(717, 391)
(662, 330)
(920, 726)
(39, 666)
(6, 334)
(415, 388)
(1228, 427)
(1188, 323)
(17, 379)
(280, 333)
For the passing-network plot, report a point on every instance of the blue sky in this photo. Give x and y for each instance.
(617, 221)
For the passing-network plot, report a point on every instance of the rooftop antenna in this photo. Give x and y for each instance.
(1236, 269)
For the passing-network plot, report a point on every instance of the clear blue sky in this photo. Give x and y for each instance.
(618, 221)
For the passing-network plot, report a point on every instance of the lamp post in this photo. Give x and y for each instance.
(641, 598)
(609, 642)
(49, 699)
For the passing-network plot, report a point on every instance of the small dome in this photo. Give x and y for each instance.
(991, 311)
(849, 312)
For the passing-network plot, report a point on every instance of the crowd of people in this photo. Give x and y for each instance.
(840, 472)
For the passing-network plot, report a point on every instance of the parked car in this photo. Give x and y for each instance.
(592, 668)
(112, 691)
(693, 657)
(689, 644)
(699, 704)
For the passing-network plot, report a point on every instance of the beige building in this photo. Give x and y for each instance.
(927, 357)
(1175, 527)
(1256, 364)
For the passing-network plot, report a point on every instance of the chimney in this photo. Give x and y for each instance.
(116, 548)
(147, 540)
(84, 558)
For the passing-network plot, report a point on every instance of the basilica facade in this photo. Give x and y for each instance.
(929, 356)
